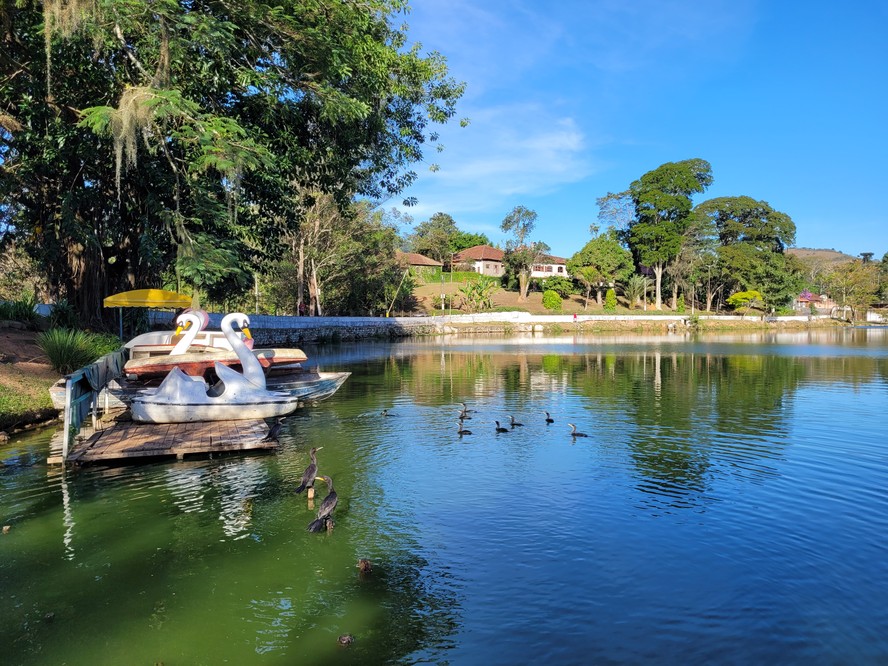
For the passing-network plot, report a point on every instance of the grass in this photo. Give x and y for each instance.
(24, 396)
(69, 350)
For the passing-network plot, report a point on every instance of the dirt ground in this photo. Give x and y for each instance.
(18, 346)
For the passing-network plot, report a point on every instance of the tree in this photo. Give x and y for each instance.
(602, 262)
(854, 283)
(752, 239)
(635, 289)
(433, 237)
(462, 240)
(521, 255)
(745, 298)
(178, 122)
(662, 204)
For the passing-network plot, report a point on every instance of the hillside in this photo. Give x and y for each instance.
(827, 257)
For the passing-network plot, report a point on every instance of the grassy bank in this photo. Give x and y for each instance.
(24, 395)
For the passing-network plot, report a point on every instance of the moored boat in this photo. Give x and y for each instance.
(198, 364)
(182, 398)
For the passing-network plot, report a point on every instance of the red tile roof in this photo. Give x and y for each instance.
(416, 259)
(479, 253)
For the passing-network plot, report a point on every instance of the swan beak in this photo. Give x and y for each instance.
(246, 332)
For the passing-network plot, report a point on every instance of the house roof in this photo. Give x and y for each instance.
(416, 259)
(479, 253)
(552, 259)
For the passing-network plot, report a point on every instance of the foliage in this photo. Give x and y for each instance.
(602, 261)
(477, 296)
(463, 240)
(635, 289)
(19, 274)
(662, 204)
(559, 284)
(21, 310)
(610, 301)
(680, 304)
(745, 298)
(432, 237)
(551, 300)
(63, 315)
(752, 239)
(69, 350)
(175, 124)
(854, 283)
(521, 254)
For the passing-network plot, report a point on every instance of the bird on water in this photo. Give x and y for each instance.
(463, 415)
(365, 566)
(325, 512)
(499, 428)
(574, 433)
(462, 431)
(549, 419)
(514, 422)
(308, 476)
(275, 431)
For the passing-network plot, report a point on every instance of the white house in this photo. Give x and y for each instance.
(550, 266)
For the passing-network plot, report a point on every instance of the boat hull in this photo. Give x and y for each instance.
(146, 410)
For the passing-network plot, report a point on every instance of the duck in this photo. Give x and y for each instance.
(549, 419)
(462, 431)
(499, 428)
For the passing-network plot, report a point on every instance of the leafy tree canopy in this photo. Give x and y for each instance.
(130, 128)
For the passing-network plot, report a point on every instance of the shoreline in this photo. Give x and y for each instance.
(288, 331)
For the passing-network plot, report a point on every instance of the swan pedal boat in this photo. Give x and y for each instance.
(183, 398)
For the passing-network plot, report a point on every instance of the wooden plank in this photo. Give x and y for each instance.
(127, 440)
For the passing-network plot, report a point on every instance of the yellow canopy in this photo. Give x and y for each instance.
(147, 298)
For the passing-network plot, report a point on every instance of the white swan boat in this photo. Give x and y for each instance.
(182, 398)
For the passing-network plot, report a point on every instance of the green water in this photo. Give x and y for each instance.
(729, 504)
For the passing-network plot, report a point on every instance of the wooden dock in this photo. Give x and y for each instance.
(128, 441)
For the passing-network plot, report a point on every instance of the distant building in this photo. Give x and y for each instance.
(549, 266)
(418, 263)
(821, 303)
(482, 259)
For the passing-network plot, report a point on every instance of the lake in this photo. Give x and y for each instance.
(729, 505)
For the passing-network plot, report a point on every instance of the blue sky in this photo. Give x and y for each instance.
(570, 100)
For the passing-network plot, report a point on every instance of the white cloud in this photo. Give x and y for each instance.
(507, 152)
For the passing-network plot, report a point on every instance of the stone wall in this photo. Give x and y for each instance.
(272, 331)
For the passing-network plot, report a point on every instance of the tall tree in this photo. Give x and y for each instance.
(662, 203)
(752, 239)
(521, 254)
(601, 263)
(167, 124)
(433, 237)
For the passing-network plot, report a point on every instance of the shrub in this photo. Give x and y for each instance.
(63, 315)
(560, 285)
(21, 310)
(551, 300)
(68, 350)
(610, 300)
(680, 304)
